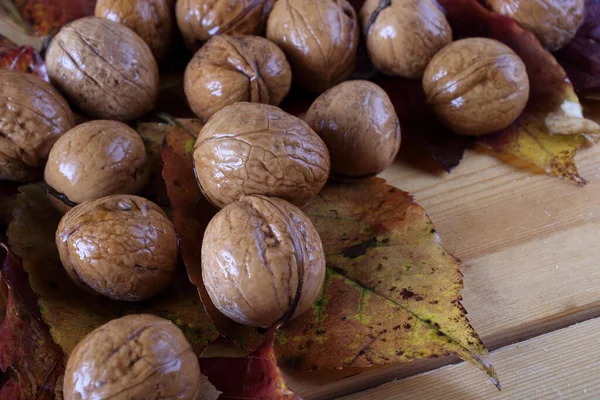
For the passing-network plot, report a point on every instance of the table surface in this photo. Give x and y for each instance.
(531, 262)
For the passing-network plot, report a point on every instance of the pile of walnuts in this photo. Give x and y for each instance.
(262, 259)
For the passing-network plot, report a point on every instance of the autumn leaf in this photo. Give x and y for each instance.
(48, 16)
(153, 135)
(258, 376)
(23, 59)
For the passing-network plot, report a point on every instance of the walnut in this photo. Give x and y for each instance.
(250, 148)
(150, 19)
(230, 69)
(93, 160)
(262, 259)
(554, 22)
(199, 20)
(134, 357)
(33, 115)
(476, 86)
(121, 246)
(402, 36)
(319, 38)
(104, 68)
(358, 123)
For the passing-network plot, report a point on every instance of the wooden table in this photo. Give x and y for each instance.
(530, 246)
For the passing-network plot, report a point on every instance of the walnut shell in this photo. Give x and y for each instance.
(262, 258)
(33, 115)
(104, 68)
(230, 69)
(93, 160)
(152, 20)
(319, 38)
(358, 123)
(404, 35)
(199, 20)
(554, 22)
(134, 357)
(250, 148)
(476, 86)
(122, 246)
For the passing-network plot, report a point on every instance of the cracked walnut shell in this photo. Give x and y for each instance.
(476, 86)
(33, 115)
(251, 148)
(104, 68)
(262, 260)
(123, 247)
(134, 357)
(230, 69)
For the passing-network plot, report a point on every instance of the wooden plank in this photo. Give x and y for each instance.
(564, 364)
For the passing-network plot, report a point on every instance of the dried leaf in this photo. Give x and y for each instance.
(48, 16)
(153, 135)
(258, 376)
(24, 59)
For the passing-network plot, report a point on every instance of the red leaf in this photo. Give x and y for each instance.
(24, 59)
(253, 377)
(47, 16)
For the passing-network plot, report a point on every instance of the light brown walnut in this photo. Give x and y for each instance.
(319, 38)
(123, 247)
(358, 123)
(230, 69)
(476, 86)
(33, 115)
(262, 260)
(134, 357)
(104, 68)
(251, 148)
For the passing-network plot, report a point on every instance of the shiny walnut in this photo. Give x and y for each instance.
(150, 19)
(250, 148)
(262, 259)
(33, 115)
(554, 22)
(123, 247)
(319, 38)
(358, 123)
(134, 357)
(230, 69)
(93, 160)
(104, 68)
(404, 35)
(199, 20)
(476, 86)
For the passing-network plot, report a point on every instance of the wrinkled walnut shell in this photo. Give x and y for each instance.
(554, 22)
(358, 123)
(104, 68)
(93, 160)
(230, 69)
(150, 19)
(199, 20)
(262, 259)
(476, 86)
(319, 38)
(404, 35)
(250, 148)
(133, 357)
(33, 115)
(123, 247)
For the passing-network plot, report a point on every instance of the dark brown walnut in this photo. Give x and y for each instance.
(554, 22)
(93, 160)
(104, 68)
(199, 20)
(230, 69)
(134, 357)
(33, 115)
(250, 148)
(262, 260)
(404, 35)
(476, 86)
(319, 38)
(358, 123)
(122, 246)
(152, 20)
